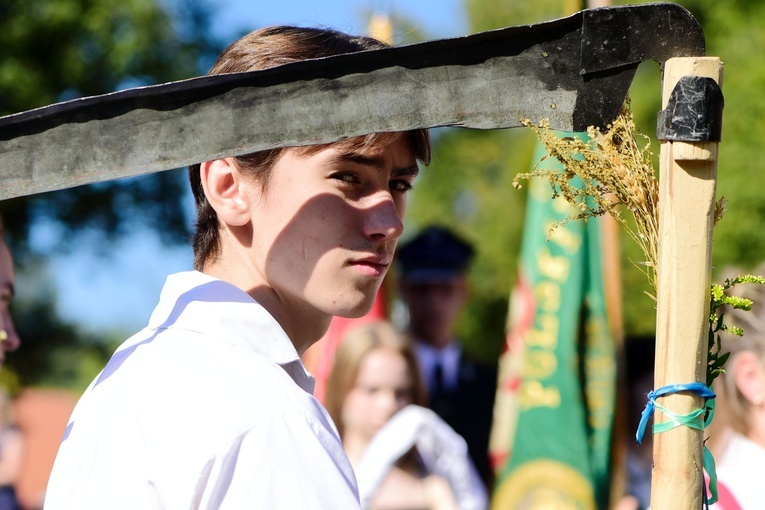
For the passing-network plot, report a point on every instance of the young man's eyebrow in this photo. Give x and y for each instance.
(361, 159)
(406, 171)
(376, 162)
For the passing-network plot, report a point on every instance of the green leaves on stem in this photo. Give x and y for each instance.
(716, 360)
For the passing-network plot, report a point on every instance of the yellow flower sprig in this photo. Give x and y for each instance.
(719, 298)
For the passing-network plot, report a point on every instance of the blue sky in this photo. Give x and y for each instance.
(436, 18)
(118, 293)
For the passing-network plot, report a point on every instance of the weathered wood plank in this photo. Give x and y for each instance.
(574, 71)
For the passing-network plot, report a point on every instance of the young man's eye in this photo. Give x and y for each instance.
(401, 186)
(345, 177)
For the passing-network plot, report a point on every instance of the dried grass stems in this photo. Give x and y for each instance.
(610, 172)
(616, 174)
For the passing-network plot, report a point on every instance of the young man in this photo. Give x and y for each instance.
(210, 406)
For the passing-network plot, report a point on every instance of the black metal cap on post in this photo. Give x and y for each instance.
(693, 112)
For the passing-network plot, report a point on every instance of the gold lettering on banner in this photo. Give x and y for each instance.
(539, 338)
(599, 401)
(546, 333)
(600, 363)
(535, 394)
(561, 206)
(539, 364)
(565, 238)
(599, 389)
(555, 268)
(547, 295)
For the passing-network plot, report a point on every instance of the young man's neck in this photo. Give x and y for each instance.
(303, 326)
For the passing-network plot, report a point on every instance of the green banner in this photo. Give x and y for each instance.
(563, 378)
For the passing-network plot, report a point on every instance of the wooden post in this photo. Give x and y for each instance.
(688, 174)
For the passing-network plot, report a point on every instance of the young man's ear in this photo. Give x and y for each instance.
(222, 181)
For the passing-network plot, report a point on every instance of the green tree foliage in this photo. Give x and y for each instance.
(54, 50)
(466, 164)
(734, 33)
(488, 15)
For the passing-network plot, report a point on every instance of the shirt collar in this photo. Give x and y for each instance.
(194, 301)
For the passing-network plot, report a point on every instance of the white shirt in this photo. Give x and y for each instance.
(209, 407)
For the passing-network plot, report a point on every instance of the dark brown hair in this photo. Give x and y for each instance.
(262, 49)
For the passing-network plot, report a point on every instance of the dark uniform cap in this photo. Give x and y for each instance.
(434, 255)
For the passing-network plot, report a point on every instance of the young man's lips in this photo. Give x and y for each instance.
(372, 266)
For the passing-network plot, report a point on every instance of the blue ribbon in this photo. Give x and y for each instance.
(694, 419)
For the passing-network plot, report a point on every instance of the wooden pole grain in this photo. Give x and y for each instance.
(687, 182)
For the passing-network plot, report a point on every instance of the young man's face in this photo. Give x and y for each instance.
(327, 224)
(9, 340)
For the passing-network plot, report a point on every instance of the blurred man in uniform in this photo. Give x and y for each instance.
(433, 283)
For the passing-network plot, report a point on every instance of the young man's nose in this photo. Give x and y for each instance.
(383, 220)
